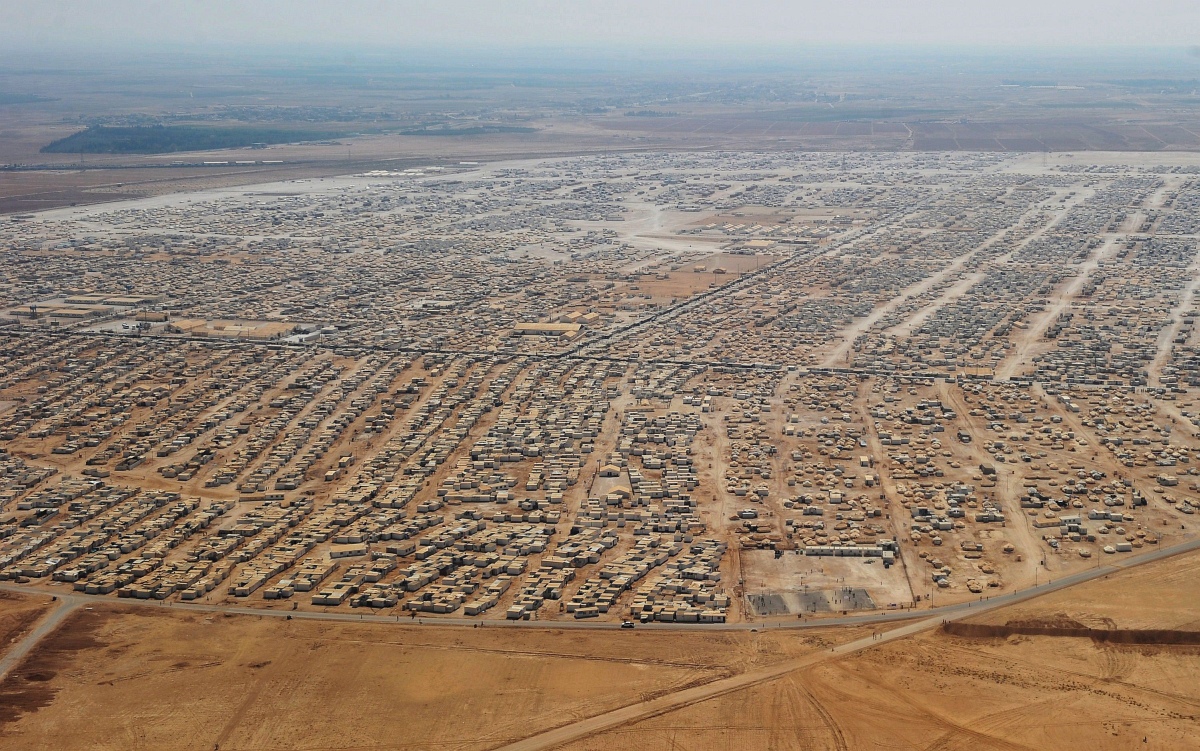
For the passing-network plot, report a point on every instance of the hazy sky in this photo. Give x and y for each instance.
(443, 23)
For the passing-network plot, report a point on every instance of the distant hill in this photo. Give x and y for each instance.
(11, 98)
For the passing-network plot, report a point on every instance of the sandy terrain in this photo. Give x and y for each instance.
(946, 693)
(1162, 595)
(935, 691)
(158, 678)
(17, 614)
(125, 679)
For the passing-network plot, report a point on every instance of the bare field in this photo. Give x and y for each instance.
(18, 613)
(801, 128)
(944, 693)
(161, 680)
(166, 680)
(733, 263)
(110, 178)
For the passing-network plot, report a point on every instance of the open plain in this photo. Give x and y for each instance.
(168, 680)
(157, 677)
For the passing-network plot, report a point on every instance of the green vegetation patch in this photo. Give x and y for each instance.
(166, 139)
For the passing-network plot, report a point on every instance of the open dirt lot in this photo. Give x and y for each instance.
(819, 586)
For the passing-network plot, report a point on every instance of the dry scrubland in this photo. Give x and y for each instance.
(829, 108)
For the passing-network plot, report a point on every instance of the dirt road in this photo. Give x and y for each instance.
(49, 622)
(663, 704)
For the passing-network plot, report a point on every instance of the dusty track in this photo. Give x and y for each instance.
(45, 626)
(661, 705)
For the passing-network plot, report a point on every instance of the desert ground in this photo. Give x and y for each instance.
(535, 411)
(940, 691)
(113, 677)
